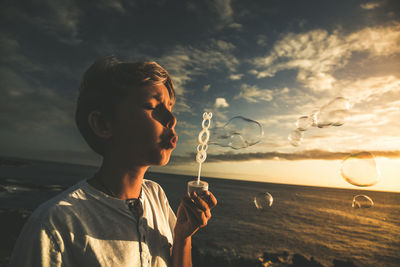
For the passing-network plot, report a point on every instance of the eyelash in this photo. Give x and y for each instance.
(149, 106)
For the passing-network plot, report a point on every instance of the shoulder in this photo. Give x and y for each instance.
(153, 189)
(151, 185)
(59, 205)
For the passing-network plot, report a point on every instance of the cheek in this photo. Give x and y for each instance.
(145, 131)
(148, 127)
(139, 131)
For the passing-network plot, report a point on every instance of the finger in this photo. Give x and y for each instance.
(196, 215)
(202, 205)
(190, 203)
(188, 200)
(199, 208)
(210, 199)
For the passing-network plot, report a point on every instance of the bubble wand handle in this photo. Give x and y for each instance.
(198, 175)
(204, 137)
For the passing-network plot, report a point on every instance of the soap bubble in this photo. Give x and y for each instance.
(333, 114)
(313, 117)
(263, 201)
(362, 201)
(296, 137)
(360, 169)
(239, 132)
(304, 122)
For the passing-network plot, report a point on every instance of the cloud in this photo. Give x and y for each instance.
(224, 9)
(10, 51)
(81, 157)
(254, 94)
(186, 62)
(225, 13)
(186, 128)
(316, 54)
(26, 104)
(222, 13)
(236, 26)
(59, 18)
(370, 89)
(32, 108)
(370, 5)
(26, 107)
(115, 5)
(181, 106)
(315, 154)
(262, 40)
(206, 87)
(224, 45)
(221, 103)
(280, 120)
(378, 41)
(235, 77)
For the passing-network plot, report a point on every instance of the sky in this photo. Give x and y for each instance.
(268, 61)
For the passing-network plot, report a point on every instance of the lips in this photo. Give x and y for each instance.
(173, 141)
(169, 140)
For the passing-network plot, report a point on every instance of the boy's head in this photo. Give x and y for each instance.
(106, 83)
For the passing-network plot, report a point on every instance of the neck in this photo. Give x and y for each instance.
(119, 181)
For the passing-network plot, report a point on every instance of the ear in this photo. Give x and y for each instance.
(100, 125)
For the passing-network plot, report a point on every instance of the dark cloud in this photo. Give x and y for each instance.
(27, 105)
(304, 155)
(59, 18)
(87, 157)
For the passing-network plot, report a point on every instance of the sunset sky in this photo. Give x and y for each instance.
(270, 61)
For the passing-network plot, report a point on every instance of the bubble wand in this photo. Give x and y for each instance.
(204, 137)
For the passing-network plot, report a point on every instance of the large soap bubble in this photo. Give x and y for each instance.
(239, 132)
(360, 169)
(263, 201)
(362, 201)
(333, 114)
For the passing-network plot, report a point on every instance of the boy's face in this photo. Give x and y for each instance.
(143, 128)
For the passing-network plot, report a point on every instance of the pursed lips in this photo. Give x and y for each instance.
(169, 140)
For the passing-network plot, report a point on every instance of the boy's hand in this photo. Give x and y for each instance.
(194, 213)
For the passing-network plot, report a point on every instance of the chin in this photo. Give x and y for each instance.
(164, 163)
(163, 159)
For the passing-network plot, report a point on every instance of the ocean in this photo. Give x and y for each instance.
(311, 221)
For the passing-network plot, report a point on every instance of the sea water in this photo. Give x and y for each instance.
(312, 221)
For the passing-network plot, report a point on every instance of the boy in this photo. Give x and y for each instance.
(118, 218)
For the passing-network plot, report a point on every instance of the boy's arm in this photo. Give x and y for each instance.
(182, 252)
(193, 213)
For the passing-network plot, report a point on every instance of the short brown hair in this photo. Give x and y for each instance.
(106, 83)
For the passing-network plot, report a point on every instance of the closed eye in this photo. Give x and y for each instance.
(149, 106)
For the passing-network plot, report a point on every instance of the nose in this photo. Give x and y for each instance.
(165, 117)
(171, 120)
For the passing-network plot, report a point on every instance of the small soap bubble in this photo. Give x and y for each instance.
(334, 113)
(304, 122)
(239, 132)
(263, 200)
(314, 116)
(296, 137)
(360, 169)
(362, 202)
